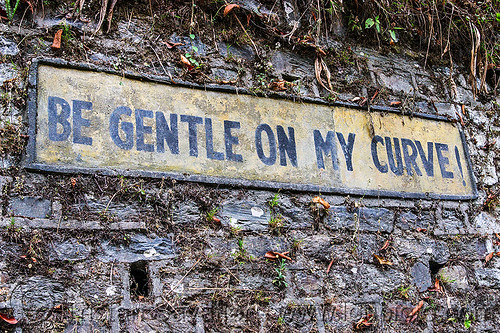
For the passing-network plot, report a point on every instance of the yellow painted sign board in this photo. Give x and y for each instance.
(91, 121)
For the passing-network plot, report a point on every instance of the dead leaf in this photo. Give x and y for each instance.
(489, 256)
(172, 45)
(437, 287)
(386, 245)
(320, 50)
(186, 62)
(278, 85)
(8, 319)
(498, 236)
(364, 322)
(275, 255)
(395, 103)
(216, 219)
(413, 314)
(382, 261)
(229, 8)
(330, 266)
(270, 255)
(421, 230)
(56, 44)
(321, 201)
(283, 255)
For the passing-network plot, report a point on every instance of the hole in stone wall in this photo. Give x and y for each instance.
(139, 280)
(434, 267)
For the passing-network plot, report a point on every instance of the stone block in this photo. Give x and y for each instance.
(411, 221)
(362, 219)
(246, 215)
(486, 224)
(455, 277)
(421, 276)
(30, 207)
(7, 72)
(186, 213)
(8, 47)
(141, 247)
(449, 224)
(375, 279)
(488, 277)
(71, 250)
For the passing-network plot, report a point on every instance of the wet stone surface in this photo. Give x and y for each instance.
(30, 207)
(71, 250)
(245, 215)
(362, 219)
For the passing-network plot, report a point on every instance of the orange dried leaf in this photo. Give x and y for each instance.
(216, 219)
(282, 255)
(171, 45)
(364, 322)
(416, 309)
(278, 85)
(498, 236)
(270, 255)
(395, 103)
(330, 266)
(229, 8)
(321, 201)
(382, 261)
(8, 319)
(489, 256)
(185, 61)
(386, 245)
(421, 230)
(437, 287)
(56, 44)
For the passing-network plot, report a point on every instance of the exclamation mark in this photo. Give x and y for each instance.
(457, 155)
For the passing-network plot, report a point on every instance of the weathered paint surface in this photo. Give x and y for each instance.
(221, 135)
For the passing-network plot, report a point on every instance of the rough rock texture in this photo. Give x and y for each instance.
(94, 253)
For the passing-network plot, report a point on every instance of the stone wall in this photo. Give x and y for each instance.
(94, 253)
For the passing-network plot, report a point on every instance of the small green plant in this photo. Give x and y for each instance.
(241, 255)
(11, 11)
(276, 223)
(370, 22)
(261, 298)
(403, 291)
(296, 244)
(211, 214)
(281, 321)
(190, 55)
(234, 231)
(469, 318)
(66, 35)
(11, 227)
(280, 280)
(274, 202)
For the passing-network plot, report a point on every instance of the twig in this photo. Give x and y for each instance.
(161, 64)
(229, 271)
(430, 37)
(237, 289)
(246, 33)
(102, 15)
(182, 279)
(110, 14)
